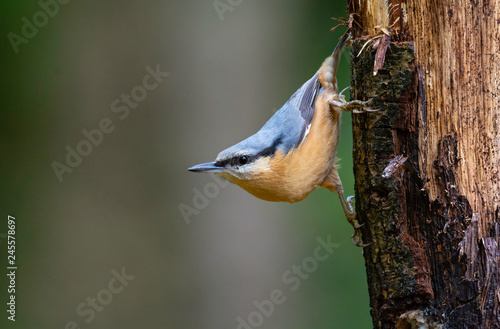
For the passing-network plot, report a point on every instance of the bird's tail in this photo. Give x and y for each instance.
(339, 49)
(328, 70)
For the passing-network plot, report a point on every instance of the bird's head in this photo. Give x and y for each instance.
(239, 162)
(249, 164)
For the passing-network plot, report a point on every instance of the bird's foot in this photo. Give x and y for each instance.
(355, 106)
(350, 214)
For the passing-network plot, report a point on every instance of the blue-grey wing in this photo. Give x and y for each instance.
(285, 129)
(292, 122)
(288, 127)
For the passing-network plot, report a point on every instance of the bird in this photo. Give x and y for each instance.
(295, 151)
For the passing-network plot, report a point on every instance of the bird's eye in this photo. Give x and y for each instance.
(243, 160)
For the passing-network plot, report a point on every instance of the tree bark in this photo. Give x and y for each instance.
(432, 215)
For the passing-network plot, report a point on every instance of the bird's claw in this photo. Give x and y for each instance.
(365, 109)
(355, 106)
(350, 202)
(352, 219)
(356, 236)
(342, 97)
(356, 239)
(357, 225)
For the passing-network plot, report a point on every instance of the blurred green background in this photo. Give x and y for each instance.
(119, 208)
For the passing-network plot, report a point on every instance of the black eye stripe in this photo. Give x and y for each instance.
(222, 163)
(236, 161)
(269, 151)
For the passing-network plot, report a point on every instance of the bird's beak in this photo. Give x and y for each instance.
(209, 167)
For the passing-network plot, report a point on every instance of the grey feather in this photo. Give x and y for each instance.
(287, 128)
(284, 130)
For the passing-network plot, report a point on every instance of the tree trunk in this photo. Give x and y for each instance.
(432, 214)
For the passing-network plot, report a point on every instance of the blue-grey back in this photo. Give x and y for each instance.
(284, 130)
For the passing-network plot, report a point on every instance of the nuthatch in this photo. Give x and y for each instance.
(295, 151)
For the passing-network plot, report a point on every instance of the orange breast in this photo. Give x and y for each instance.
(291, 177)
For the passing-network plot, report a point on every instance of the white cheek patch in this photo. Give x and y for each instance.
(262, 164)
(241, 172)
